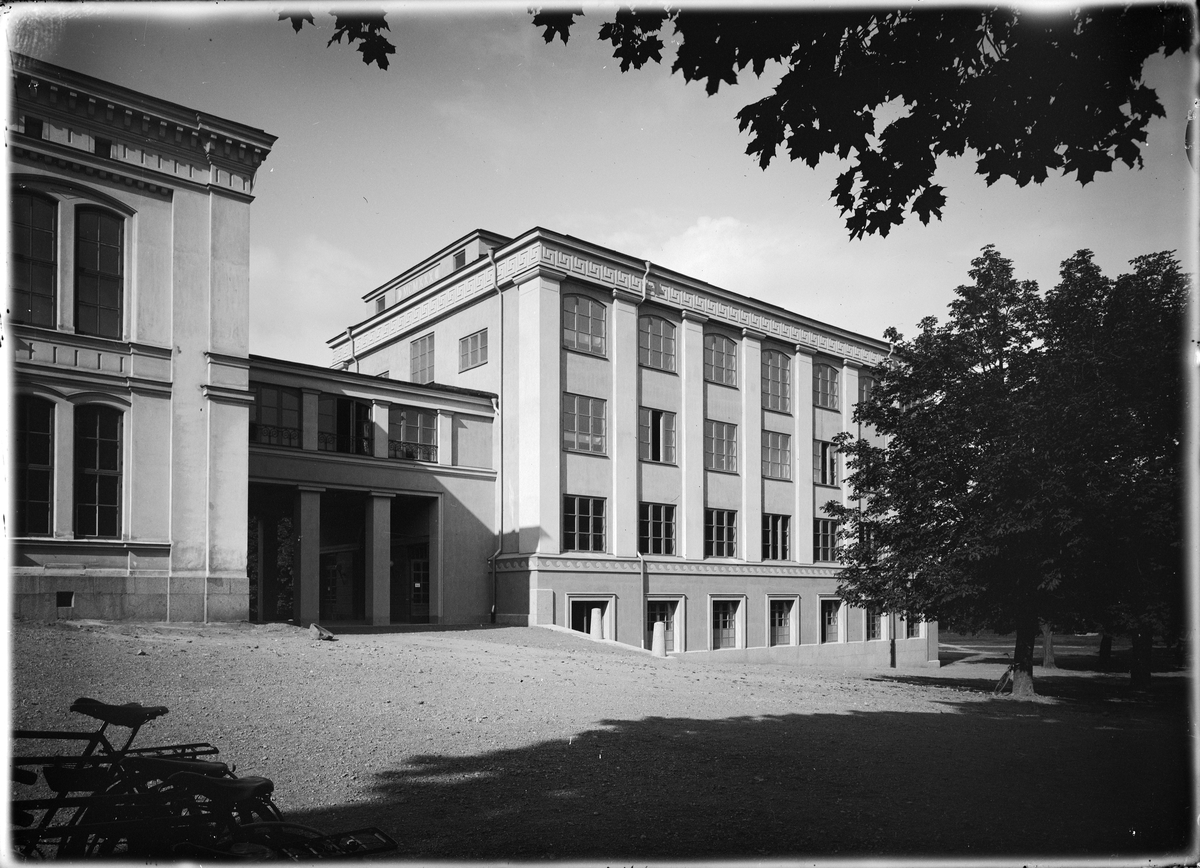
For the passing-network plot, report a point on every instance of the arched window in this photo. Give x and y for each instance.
(720, 360)
(825, 386)
(33, 241)
(34, 466)
(98, 460)
(99, 266)
(583, 325)
(656, 343)
(776, 381)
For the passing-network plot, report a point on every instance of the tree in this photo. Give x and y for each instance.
(892, 90)
(1029, 470)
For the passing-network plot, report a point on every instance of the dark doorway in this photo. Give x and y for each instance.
(343, 562)
(270, 552)
(412, 566)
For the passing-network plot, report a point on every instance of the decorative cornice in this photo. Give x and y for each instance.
(534, 272)
(227, 395)
(523, 563)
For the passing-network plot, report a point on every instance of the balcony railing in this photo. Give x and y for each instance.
(412, 451)
(359, 445)
(274, 435)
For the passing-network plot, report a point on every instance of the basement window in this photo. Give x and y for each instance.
(65, 599)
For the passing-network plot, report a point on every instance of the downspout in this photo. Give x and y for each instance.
(500, 425)
(353, 358)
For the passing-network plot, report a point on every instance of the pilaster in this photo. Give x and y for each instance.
(539, 405)
(380, 418)
(750, 469)
(623, 422)
(379, 558)
(445, 437)
(802, 409)
(309, 399)
(849, 401)
(64, 470)
(690, 434)
(308, 548)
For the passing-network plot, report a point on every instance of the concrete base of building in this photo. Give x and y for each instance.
(49, 596)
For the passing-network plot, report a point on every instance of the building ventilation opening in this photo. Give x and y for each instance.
(65, 599)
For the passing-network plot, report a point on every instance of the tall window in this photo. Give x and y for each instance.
(412, 434)
(34, 466)
(825, 387)
(344, 425)
(830, 610)
(720, 533)
(275, 415)
(583, 423)
(724, 627)
(422, 359)
(781, 622)
(824, 539)
(866, 387)
(583, 524)
(874, 624)
(98, 463)
(662, 610)
(824, 463)
(656, 435)
(656, 529)
(720, 360)
(656, 343)
(472, 350)
(720, 446)
(776, 455)
(98, 273)
(583, 325)
(33, 244)
(912, 628)
(775, 537)
(776, 381)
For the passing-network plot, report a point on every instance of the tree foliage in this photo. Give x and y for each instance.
(1025, 463)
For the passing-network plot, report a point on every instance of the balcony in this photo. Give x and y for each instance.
(361, 444)
(412, 451)
(274, 435)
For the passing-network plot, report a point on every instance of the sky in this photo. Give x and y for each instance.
(479, 124)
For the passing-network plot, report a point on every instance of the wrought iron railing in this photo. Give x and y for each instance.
(362, 444)
(274, 435)
(412, 451)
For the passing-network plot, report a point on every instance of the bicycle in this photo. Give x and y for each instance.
(1006, 681)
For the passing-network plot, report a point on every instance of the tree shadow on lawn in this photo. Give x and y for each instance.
(979, 777)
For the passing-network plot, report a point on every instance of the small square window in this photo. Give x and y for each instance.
(64, 599)
(33, 127)
(460, 259)
(103, 148)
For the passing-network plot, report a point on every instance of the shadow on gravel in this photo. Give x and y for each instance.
(1085, 777)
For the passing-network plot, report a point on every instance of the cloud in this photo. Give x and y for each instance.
(303, 295)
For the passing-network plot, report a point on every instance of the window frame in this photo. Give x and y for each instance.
(596, 344)
(664, 542)
(866, 387)
(84, 272)
(737, 616)
(571, 410)
(792, 604)
(776, 536)
(728, 455)
(25, 470)
(729, 533)
(421, 351)
(21, 260)
(825, 532)
(284, 432)
(838, 608)
(667, 350)
(417, 430)
(479, 352)
(777, 381)
(88, 478)
(825, 464)
(776, 455)
(719, 348)
(873, 618)
(652, 421)
(826, 385)
(571, 538)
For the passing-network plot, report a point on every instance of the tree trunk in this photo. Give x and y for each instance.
(1048, 647)
(1105, 650)
(1139, 666)
(1023, 659)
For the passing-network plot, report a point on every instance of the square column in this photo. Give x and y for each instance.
(623, 424)
(689, 522)
(379, 558)
(802, 404)
(380, 416)
(309, 400)
(308, 550)
(64, 470)
(750, 465)
(445, 437)
(538, 411)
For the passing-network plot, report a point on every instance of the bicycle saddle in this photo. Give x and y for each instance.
(225, 791)
(131, 714)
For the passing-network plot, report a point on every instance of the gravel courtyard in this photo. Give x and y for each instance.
(532, 744)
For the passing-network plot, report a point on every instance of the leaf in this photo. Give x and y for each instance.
(364, 27)
(556, 22)
(297, 19)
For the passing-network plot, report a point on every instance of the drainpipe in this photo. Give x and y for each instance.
(500, 425)
(353, 357)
